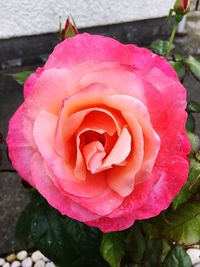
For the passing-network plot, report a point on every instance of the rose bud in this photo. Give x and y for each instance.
(70, 29)
(182, 7)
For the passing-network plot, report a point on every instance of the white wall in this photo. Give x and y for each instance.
(27, 17)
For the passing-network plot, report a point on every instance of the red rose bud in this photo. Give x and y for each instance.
(70, 29)
(182, 7)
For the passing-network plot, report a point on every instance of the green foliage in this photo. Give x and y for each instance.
(159, 47)
(153, 227)
(113, 248)
(194, 66)
(177, 257)
(192, 185)
(153, 253)
(180, 69)
(183, 224)
(194, 141)
(65, 241)
(21, 77)
(193, 106)
(135, 244)
(190, 125)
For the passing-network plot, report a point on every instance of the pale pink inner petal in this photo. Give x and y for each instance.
(93, 154)
(120, 150)
(80, 168)
(118, 78)
(44, 133)
(151, 139)
(121, 179)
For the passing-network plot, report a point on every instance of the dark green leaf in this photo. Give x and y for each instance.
(23, 227)
(86, 240)
(179, 67)
(193, 106)
(153, 227)
(65, 241)
(177, 257)
(192, 185)
(194, 141)
(183, 224)
(135, 244)
(153, 253)
(166, 248)
(48, 236)
(194, 66)
(190, 125)
(21, 77)
(113, 248)
(159, 47)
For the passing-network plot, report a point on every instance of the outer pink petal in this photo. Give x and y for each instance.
(20, 151)
(31, 81)
(76, 50)
(174, 102)
(55, 198)
(170, 180)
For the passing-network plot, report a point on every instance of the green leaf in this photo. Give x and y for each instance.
(194, 141)
(192, 185)
(86, 240)
(159, 47)
(112, 248)
(193, 106)
(183, 225)
(23, 227)
(177, 257)
(21, 77)
(179, 67)
(153, 253)
(194, 66)
(135, 244)
(166, 248)
(190, 125)
(65, 241)
(153, 227)
(48, 236)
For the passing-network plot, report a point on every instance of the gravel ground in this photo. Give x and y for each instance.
(26, 259)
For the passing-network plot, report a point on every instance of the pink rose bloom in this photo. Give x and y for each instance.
(101, 132)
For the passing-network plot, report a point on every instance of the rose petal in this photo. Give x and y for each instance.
(53, 195)
(120, 150)
(170, 179)
(44, 132)
(20, 151)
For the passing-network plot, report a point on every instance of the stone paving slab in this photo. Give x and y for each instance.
(12, 200)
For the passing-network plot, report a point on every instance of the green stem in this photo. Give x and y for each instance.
(171, 40)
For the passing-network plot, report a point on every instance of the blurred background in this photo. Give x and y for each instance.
(28, 33)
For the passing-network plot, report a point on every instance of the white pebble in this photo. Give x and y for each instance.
(2, 261)
(36, 256)
(21, 255)
(27, 262)
(50, 264)
(39, 263)
(194, 255)
(45, 259)
(196, 265)
(7, 264)
(15, 264)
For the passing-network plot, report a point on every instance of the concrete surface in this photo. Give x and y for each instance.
(25, 17)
